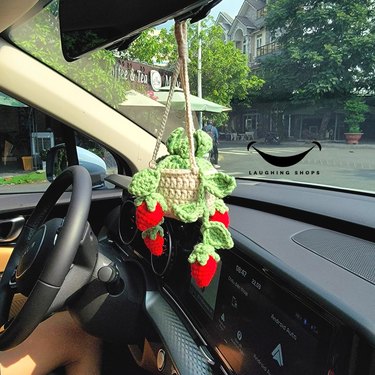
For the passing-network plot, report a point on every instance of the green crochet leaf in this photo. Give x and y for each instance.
(144, 182)
(219, 184)
(153, 232)
(205, 167)
(201, 253)
(153, 199)
(138, 201)
(188, 212)
(173, 162)
(178, 144)
(216, 235)
(220, 206)
(203, 143)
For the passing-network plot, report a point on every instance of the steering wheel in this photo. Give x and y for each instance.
(43, 256)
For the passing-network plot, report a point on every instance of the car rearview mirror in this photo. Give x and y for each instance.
(87, 25)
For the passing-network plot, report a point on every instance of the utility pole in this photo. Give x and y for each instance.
(199, 70)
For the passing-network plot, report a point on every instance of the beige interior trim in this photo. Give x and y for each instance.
(5, 252)
(13, 10)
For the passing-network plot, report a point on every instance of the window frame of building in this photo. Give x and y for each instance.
(245, 45)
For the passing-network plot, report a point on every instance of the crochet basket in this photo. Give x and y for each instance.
(179, 187)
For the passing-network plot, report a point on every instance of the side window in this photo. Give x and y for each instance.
(96, 159)
(26, 135)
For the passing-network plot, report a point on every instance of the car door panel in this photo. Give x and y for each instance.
(5, 253)
(15, 208)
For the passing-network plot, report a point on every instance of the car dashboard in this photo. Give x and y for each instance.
(292, 296)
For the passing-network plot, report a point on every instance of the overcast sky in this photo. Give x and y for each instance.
(229, 6)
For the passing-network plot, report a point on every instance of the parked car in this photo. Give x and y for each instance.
(295, 294)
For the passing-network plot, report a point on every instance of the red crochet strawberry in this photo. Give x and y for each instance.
(156, 245)
(222, 218)
(203, 274)
(146, 219)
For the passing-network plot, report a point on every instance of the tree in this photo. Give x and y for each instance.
(225, 72)
(226, 77)
(41, 38)
(152, 46)
(326, 50)
(326, 47)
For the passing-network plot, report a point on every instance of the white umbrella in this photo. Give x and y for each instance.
(197, 104)
(136, 99)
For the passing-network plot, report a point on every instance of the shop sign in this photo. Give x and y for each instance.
(137, 73)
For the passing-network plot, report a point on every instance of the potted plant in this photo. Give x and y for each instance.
(355, 109)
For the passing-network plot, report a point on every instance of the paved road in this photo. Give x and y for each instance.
(349, 166)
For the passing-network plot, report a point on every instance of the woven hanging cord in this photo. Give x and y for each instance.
(181, 67)
(166, 113)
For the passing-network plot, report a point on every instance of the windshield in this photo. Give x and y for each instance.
(290, 84)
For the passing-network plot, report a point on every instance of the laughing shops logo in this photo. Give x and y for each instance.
(283, 161)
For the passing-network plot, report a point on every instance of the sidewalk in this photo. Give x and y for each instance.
(298, 143)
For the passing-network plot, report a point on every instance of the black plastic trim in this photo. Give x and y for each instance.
(319, 295)
(185, 353)
(343, 212)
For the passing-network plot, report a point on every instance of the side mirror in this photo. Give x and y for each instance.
(57, 162)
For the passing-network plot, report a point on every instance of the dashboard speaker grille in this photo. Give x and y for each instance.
(353, 254)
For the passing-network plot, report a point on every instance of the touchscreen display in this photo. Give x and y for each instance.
(258, 327)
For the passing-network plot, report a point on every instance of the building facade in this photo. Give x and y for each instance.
(248, 31)
(250, 35)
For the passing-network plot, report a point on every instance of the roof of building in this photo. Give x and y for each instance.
(246, 21)
(257, 4)
(226, 16)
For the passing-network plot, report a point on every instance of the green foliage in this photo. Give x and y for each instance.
(27, 178)
(326, 48)
(355, 109)
(41, 37)
(152, 46)
(225, 72)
